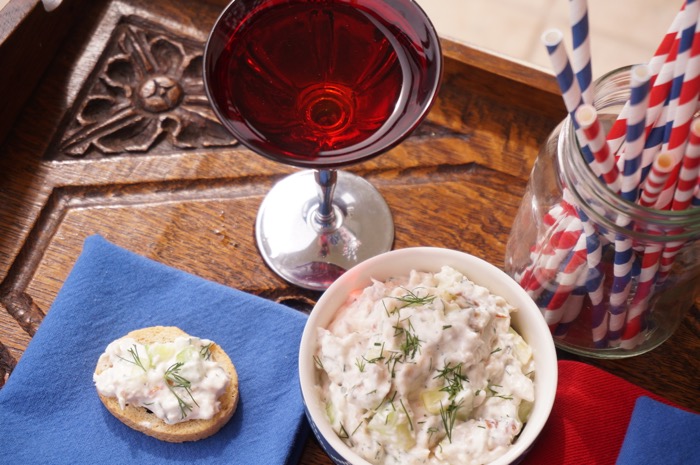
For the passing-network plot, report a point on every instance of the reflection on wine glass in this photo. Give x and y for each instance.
(322, 84)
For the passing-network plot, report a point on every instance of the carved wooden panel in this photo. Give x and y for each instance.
(146, 95)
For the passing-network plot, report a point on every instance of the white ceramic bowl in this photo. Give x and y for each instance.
(527, 321)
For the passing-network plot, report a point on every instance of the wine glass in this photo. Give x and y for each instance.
(320, 84)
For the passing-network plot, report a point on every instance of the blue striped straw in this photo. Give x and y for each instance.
(634, 137)
(582, 64)
(594, 282)
(569, 86)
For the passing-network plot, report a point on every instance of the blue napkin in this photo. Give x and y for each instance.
(660, 434)
(49, 409)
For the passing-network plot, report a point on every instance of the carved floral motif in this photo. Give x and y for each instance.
(147, 95)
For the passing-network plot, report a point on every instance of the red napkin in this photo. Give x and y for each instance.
(589, 418)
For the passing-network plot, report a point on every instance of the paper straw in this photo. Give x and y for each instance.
(657, 110)
(546, 267)
(695, 202)
(567, 280)
(668, 257)
(634, 138)
(622, 274)
(616, 134)
(686, 100)
(643, 293)
(547, 254)
(660, 170)
(690, 168)
(582, 65)
(564, 74)
(685, 45)
(573, 305)
(587, 117)
(594, 282)
(568, 84)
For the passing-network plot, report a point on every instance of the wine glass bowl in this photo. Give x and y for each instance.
(322, 84)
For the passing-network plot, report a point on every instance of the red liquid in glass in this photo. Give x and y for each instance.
(321, 83)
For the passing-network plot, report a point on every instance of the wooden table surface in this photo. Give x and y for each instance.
(83, 154)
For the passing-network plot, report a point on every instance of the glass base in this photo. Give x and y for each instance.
(302, 252)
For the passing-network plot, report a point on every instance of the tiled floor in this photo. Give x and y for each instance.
(623, 32)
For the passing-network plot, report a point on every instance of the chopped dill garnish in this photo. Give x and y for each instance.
(360, 364)
(136, 359)
(205, 352)
(391, 401)
(342, 433)
(413, 299)
(410, 423)
(357, 427)
(448, 416)
(394, 358)
(173, 380)
(497, 349)
(379, 357)
(432, 430)
(411, 344)
(453, 378)
(317, 362)
(495, 393)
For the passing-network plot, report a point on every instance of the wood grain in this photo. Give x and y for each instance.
(70, 167)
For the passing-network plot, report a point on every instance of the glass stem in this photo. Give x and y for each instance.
(325, 215)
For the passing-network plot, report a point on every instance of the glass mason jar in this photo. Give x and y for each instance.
(613, 279)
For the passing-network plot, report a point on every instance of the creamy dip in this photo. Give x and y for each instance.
(425, 369)
(177, 381)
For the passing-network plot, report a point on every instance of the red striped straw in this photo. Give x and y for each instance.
(687, 182)
(640, 302)
(581, 58)
(545, 269)
(567, 280)
(587, 118)
(690, 168)
(668, 257)
(682, 114)
(660, 170)
(656, 111)
(616, 134)
(536, 276)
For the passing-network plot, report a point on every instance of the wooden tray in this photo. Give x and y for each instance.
(88, 150)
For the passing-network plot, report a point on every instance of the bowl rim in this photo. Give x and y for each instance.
(487, 275)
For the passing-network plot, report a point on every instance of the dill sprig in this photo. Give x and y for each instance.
(495, 393)
(411, 298)
(448, 416)
(377, 358)
(173, 379)
(342, 432)
(410, 423)
(133, 350)
(205, 352)
(411, 344)
(453, 378)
